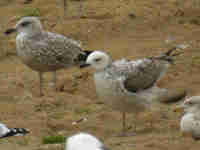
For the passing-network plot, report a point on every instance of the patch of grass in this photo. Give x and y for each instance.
(3, 141)
(24, 142)
(53, 139)
(195, 60)
(85, 110)
(29, 11)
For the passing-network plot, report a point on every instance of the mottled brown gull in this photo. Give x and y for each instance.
(45, 51)
(190, 121)
(129, 86)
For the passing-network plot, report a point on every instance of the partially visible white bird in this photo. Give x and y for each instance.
(84, 141)
(128, 86)
(7, 132)
(190, 121)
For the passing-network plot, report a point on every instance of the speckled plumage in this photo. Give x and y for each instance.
(126, 81)
(139, 74)
(45, 51)
(48, 51)
(127, 86)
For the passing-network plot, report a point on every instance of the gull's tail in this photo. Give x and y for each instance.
(15, 132)
(169, 56)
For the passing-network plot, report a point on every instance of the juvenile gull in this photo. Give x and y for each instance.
(84, 141)
(190, 121)
(127, 85)
(45, 51)
(7, 132)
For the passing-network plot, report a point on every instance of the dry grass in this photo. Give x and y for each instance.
(107, 25)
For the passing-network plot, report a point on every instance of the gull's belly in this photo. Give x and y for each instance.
(107, 92)
(104, 87)
(186, 123)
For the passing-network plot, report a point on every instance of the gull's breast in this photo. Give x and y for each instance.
(104, 85)
(23, 50)
(190, 125)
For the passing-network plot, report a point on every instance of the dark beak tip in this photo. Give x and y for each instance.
(84, 65)
(9, 31)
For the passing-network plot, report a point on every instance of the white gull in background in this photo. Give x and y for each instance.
(45, 51)
(84, 141)
(7, 132)
(190, 121)
(129, 86)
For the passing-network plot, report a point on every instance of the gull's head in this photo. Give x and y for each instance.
(98, 60)
(83, 141)
(29, 25)
(190, 105)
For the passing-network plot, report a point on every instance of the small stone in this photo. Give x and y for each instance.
(28, 1)
(132, 15)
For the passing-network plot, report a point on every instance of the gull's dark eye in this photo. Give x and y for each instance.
(24, 24)
(97, 59)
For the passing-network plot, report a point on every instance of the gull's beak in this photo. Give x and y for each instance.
(9, 31)
(84, 65)
(179, 108)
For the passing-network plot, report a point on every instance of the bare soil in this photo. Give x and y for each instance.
(125, 28)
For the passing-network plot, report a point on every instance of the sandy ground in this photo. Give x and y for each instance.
(124, 28)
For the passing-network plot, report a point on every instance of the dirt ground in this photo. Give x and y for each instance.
(124, 28)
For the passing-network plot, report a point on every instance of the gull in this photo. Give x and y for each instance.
(45, 51)
(84, 141)
(8, 132)
(190, 121)
(126, 85)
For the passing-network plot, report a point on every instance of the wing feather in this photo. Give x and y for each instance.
(56, 49)
(140, 74)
